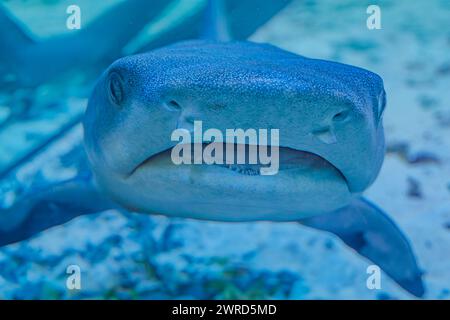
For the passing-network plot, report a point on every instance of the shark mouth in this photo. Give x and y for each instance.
(242, 159)
(246, 159)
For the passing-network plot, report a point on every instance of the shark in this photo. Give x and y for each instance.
(27, 61)
(74, 59)
(331, 147)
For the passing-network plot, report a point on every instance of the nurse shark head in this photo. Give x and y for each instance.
(319, 143)
(328, 115)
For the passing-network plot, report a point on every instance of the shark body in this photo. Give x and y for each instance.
(27, 61)
(331, 147)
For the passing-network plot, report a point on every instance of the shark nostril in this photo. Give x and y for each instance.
(341, 116)
(172, 105)
(326, 135)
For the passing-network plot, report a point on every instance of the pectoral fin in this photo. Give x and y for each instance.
(225, 20)
(370, 232)
(215, 25)
(50, 207)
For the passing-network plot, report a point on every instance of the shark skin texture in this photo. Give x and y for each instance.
(331, 147)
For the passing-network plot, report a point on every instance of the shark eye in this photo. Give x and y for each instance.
(381, 104)
(341, 116)
(115, 88)
(172, 105)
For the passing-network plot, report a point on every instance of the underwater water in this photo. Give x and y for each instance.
(135, 256)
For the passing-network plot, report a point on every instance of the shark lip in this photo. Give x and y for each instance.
(289, 159)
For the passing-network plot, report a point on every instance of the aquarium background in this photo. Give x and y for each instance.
(132, 256)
